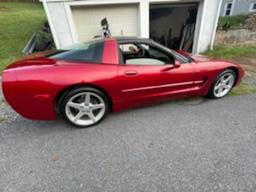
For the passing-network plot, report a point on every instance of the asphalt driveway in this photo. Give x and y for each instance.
(196, 145)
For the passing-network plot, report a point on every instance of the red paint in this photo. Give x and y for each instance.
(32, 85)
(110, 54)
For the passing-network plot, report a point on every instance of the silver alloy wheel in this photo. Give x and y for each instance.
(224, 85)
(85, 109)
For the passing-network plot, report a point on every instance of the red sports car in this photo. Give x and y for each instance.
(85, 82)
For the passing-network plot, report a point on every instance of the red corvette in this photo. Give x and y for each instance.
(87, 81)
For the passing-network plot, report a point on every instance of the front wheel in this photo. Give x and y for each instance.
(84, 107)
(223, 84)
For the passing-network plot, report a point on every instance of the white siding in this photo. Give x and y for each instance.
(123, 20)
(239, 6)
(64, 26)
(208, 25)
(60, 23)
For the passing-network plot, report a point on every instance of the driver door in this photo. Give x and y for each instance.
(151, 74)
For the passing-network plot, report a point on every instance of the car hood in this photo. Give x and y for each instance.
(200, 58)
(35, 59)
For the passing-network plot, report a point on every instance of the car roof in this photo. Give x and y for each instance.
(124, 39)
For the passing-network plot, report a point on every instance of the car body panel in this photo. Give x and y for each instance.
(142, 84)
(33, 84)
(38, 88)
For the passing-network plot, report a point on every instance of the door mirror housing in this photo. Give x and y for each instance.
(172, 66)
(177, 63)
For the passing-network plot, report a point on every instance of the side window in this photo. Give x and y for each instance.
(128, 48)
(144, 54)
(87, 52)
(157, 54)
(228, 9)
(253, 7)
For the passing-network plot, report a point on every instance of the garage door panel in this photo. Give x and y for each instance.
(123, 19)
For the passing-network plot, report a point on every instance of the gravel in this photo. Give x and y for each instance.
(6, 113)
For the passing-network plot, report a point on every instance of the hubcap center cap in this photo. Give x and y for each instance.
(86, 109)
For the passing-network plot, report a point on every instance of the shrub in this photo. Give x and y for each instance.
(228, 22)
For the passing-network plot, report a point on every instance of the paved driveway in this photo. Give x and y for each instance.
(196, 145)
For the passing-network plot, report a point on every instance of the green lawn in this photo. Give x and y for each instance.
(222, 52)
(243, 88)
(18, 21)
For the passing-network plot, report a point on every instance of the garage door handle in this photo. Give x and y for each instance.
(131, 72)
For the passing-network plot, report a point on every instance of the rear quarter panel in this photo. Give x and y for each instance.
(33, 92)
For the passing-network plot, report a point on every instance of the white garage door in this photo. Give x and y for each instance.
(123, 20)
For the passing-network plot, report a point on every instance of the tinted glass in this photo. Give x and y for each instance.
(85, 52)
(228, 12)
(178, 56)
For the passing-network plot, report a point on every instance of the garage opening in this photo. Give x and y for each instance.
(173, 25)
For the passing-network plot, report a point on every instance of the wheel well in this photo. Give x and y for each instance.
(62, 94)
(231, 68)
(236, 71)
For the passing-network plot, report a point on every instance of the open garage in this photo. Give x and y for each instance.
(173, 25)
(188, 25)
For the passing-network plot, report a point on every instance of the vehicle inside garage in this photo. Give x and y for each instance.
(173, 25)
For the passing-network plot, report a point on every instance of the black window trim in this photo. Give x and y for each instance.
(228, 9)
(155, 45)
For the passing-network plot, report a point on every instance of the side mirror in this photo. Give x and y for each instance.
(177, 63)
(172, 66)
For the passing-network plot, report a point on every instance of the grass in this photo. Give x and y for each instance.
(223, 52)
(229, 22)
(18, 22)
(243, 88)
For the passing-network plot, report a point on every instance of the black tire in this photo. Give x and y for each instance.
(211, 93)
(76, 91)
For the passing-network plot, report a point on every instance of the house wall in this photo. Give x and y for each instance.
(60, 25)
(239, 7)
(60, 20)
(223, 6)
(209, 24)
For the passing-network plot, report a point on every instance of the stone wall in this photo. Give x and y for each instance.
(236, 37)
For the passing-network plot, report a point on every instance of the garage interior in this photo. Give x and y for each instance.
(173, 25)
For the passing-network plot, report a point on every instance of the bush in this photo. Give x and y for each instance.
(228, 22)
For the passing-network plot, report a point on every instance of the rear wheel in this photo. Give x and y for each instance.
(223, 84)
(84, 107)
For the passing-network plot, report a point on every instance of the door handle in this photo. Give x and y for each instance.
(131, 72)
(167, 68)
